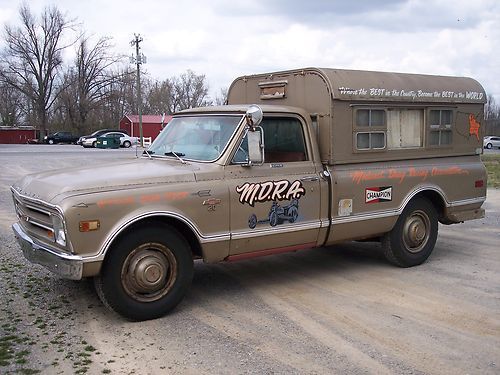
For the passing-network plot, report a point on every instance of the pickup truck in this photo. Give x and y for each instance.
(60, 137)
(296, 160)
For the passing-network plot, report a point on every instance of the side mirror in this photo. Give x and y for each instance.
(256, 146)
(254, 116)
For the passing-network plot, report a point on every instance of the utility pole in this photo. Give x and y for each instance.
(138, 60)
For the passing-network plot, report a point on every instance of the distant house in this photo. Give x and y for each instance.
(22, 134)
(151, 125)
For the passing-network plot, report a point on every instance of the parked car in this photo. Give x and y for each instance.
(91, 140)
(122, 140)
(127, 141)
(491, 141)
(60, 137)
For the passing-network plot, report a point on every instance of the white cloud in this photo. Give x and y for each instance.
(224, 39)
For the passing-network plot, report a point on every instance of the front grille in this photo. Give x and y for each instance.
(35, 218)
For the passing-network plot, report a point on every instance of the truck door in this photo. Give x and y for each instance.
(275, 207)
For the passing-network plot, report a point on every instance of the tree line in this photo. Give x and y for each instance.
(491, 117)
(93, 91)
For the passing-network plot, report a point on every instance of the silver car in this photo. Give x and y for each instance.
(491, 141)
(91, 141)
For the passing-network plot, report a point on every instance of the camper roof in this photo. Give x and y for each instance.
(385, 86)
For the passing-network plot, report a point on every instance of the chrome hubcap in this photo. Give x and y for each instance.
(416, 231)
(149, 272)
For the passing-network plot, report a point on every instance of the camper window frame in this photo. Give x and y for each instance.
(439, 128)
(369, 128)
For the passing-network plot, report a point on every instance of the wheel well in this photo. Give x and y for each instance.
(183, 229)
(437, 201)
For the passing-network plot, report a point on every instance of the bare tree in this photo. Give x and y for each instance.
(492, 116)
(221, 98)
(33, 58)
(189, 91)
(11, 105)
(88, 81)
(158, 96)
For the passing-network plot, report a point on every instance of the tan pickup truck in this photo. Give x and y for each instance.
(297, 159)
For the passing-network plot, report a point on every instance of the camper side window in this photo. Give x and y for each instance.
(370, 129)
(405, 128)
(440, 127)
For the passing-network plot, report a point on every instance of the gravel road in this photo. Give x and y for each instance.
(340, 309)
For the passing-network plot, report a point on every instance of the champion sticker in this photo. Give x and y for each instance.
(378, 194)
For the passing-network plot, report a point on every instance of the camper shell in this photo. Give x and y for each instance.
(408, 116)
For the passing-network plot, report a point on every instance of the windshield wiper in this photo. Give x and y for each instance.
(177, 155)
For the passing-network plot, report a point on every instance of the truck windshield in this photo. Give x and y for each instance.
(201, 138)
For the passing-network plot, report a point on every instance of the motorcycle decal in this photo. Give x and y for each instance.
(277, 214)
(270, 191)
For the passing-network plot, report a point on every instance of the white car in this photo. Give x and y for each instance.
(96, 134)
(491, 141)
(127, 141)
(91, 141)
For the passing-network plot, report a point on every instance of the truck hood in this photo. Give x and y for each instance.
(49, 185)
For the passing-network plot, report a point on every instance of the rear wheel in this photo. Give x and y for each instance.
(94, 144)
(412, 239)
(146, 274)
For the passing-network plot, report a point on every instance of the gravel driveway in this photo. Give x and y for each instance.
(340, 309)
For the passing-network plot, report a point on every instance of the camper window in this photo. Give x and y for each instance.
(368, 141)
(440, 125)
(404, 128)
(370, 127)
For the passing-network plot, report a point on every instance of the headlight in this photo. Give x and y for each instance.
(45, 137)
(59, 231)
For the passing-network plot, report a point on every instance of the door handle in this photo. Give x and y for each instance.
(310, 178)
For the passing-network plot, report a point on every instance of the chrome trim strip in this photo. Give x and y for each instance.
(37, 209)
(364, 217)
(37, 223)
(36, 200)
(465, 202)
(275, 230)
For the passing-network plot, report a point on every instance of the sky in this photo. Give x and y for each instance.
(224, 39)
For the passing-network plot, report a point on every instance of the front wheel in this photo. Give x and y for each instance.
(127, 144)
(146, 273)
(51, 142)
(412, 239)
(489, 146)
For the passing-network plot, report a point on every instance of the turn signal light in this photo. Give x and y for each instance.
(89, 225)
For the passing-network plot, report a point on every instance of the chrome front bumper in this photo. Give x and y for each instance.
(65, 265)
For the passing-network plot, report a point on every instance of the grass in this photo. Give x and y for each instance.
(492, 164)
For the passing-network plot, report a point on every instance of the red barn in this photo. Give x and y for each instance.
(151, 125)
(17, 135)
